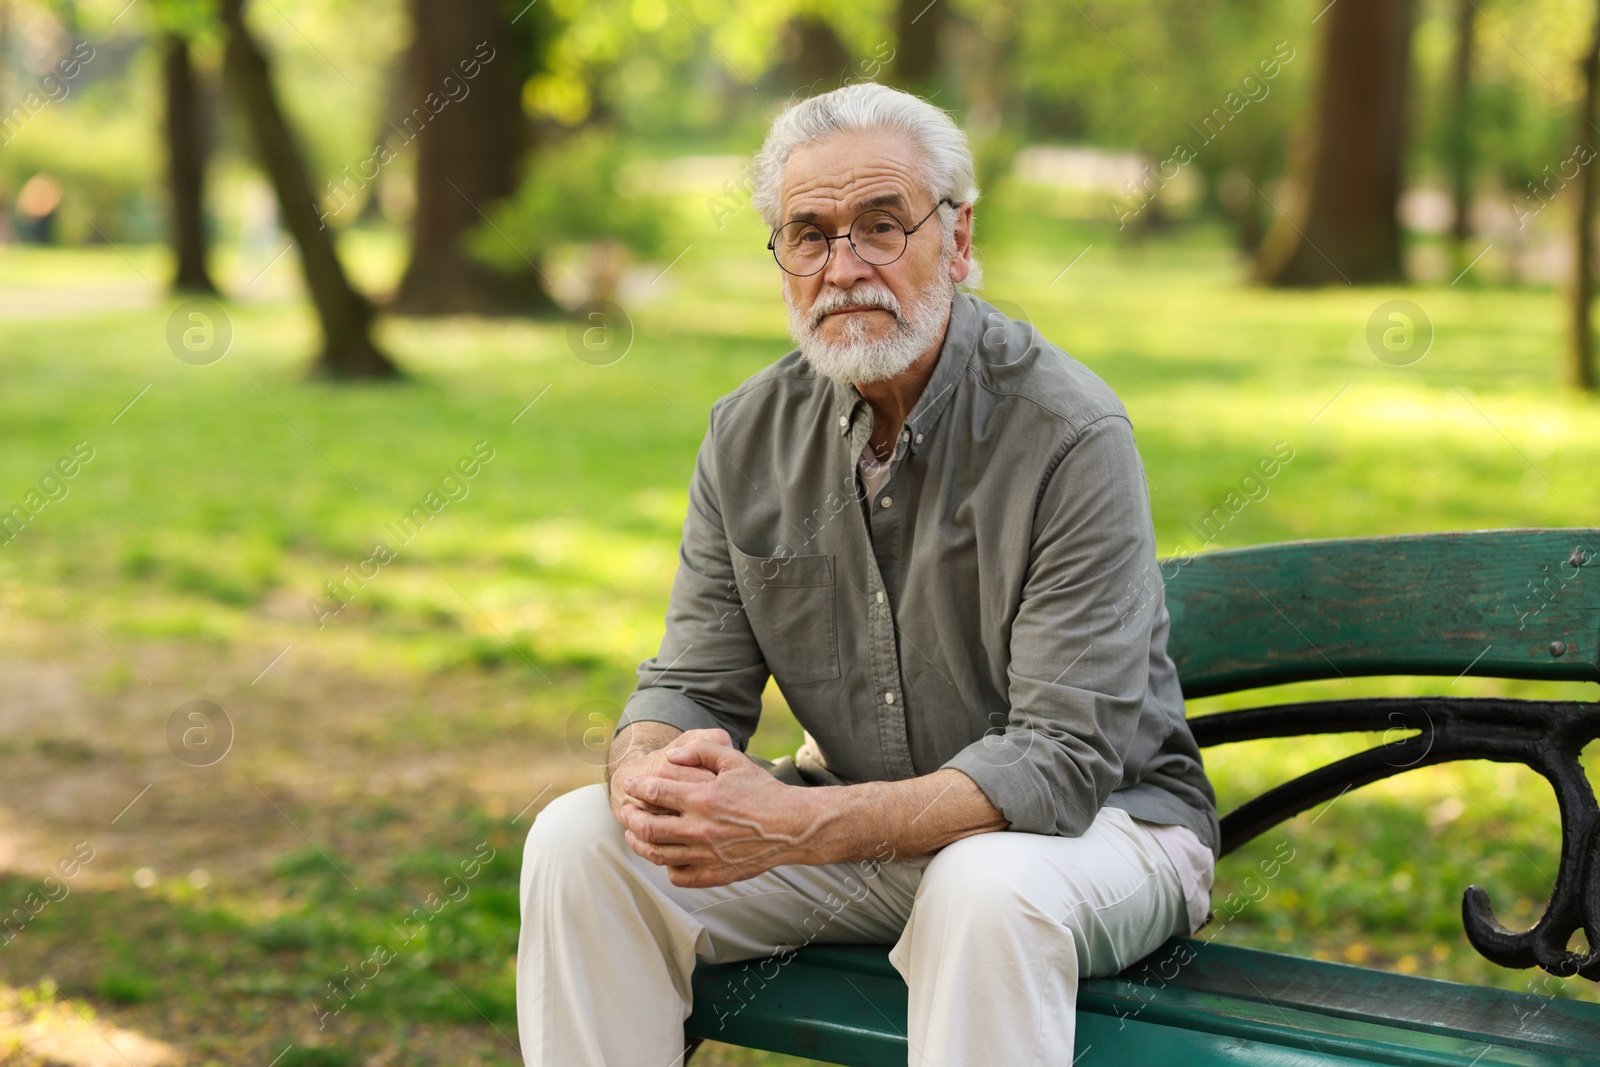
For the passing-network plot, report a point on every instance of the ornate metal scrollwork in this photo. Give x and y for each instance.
(1547, 736)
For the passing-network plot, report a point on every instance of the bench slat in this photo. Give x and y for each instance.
(838, 1014)
(1469, 1014)
(1222, 1005)
(1423, 604)
(1195, 1029)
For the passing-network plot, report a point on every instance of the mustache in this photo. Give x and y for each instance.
(872, 296)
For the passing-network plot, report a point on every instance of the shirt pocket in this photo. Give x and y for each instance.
(789, 601)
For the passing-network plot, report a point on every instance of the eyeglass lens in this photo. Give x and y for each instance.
(877, 237)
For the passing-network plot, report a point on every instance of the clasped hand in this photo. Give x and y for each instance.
(710, 815)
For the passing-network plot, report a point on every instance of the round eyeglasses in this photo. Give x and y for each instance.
(876, 236)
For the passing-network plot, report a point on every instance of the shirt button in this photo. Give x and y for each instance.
(887, 501)
(888, 698)
(880, 596)
(844, 420)
(919, 438)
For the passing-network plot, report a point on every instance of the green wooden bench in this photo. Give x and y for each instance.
(1502, 603)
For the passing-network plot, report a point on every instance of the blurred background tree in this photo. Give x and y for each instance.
(1332, 146)
(1580, 343)
(189, 134)
(1345, 197)
(345, 314)
(485, 51)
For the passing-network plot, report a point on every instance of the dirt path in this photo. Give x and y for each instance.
(358, 767)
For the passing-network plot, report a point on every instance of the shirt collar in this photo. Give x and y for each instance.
(960, 341)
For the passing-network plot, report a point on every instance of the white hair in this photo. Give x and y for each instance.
(945, 167)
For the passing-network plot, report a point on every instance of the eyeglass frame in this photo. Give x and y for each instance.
(772, 242)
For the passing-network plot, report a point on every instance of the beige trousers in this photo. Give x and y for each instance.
(991, 934)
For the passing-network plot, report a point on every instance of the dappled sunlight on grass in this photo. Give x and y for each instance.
(38, 1028)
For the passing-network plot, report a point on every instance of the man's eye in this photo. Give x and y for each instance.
(811, 237)
(881, 228)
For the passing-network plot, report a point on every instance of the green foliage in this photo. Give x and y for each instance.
(111, 188)
(650, 60)
(1219, 87)
(575, 193)
(704, 75)
(195, 20)
(1525, 91)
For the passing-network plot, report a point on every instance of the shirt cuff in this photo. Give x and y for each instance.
(999, 766)
(674, 709)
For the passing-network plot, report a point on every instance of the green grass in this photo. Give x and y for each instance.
(216, 506)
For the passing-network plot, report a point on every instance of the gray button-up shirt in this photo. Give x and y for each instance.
(996, 608)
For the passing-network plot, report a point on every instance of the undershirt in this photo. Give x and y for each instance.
(1195, 864)
(873, 473)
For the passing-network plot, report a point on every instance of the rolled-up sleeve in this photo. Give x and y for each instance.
(1080, 641)
(709, 671)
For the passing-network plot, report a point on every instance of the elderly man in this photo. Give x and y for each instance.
(930, 526)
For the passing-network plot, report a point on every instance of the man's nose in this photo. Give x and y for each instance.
(845, 268)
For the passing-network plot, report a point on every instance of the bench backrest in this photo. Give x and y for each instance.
(1500, 603)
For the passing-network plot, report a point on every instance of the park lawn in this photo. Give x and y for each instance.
(377, 749)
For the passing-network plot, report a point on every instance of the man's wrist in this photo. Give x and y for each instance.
(815, 837)
(638, 741)
(875, 820)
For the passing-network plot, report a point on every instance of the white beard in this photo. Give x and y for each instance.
(859, 358)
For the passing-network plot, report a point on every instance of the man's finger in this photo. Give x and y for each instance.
(702, 876)
(716, 736)
(676, 854)
(643, 848)
(661, 791)
(639, 805)
(680, 772)
(649, 830)
(659, 832)
(703, 753)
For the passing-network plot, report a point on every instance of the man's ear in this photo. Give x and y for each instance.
(961, 258)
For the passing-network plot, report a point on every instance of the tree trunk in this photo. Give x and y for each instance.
(1580, 352)
(917, 26)
(470, 153)
(187, 149)
(1345, 226)
(981, 54)
(814, 59)
(1461, 153)
(345, 315)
